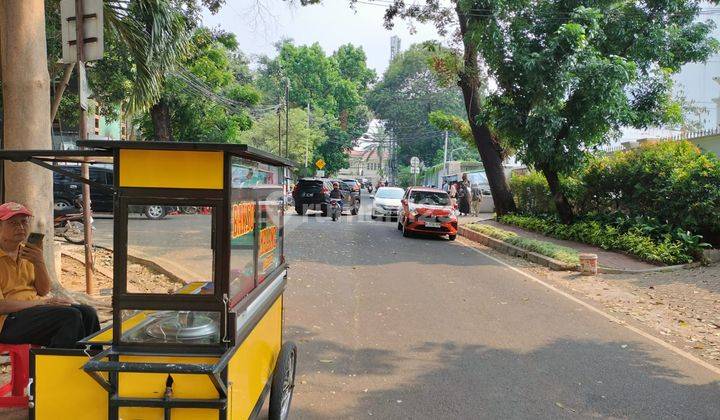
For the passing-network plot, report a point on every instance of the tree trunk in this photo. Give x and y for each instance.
(160, 113)
(562, 204)
(488, 147)
(26, 105)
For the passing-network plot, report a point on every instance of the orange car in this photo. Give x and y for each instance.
(427, 211)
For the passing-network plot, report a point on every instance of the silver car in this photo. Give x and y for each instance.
(387, 202)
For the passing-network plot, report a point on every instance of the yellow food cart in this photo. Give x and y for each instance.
(209, 348)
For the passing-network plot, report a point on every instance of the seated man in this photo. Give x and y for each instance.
(26, 317)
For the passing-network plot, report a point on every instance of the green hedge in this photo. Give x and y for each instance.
(671, 183)
(561, 253)
(633, 239)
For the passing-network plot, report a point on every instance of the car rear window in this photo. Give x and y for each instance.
(431, 198)
(310, 184)
(396, 193)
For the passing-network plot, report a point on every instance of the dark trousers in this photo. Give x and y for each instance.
(50, 326)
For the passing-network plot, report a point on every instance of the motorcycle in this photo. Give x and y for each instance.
(335, 208)
(189, 209)
(68, 224)
(369, 188)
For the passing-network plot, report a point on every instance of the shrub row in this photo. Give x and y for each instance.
(548, 249)
(663, 249)
(672, 183)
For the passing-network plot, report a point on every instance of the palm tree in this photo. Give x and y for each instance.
(380, 139)
(157, 35)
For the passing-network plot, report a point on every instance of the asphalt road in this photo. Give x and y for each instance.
(391, 327)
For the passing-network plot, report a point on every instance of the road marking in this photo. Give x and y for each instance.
(638, 331)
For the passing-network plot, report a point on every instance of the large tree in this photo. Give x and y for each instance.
(569, 73)
(26, 111)
(454, 17)
(405, 97)
(331, 86)
(203, 99)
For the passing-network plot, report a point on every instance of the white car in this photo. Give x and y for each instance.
(387, 202)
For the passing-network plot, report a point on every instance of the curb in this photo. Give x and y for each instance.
(509, 249)
(554, 264)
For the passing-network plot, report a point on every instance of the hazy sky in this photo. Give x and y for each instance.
(331, 24)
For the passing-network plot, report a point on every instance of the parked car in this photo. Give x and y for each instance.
(387, 203)
(66, 189)
(311, 193)
(428, 211)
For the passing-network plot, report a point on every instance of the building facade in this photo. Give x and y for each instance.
(367, 164)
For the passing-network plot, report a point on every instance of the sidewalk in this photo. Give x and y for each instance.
(605, 258)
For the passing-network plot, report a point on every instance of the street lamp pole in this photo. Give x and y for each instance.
(445, 156)
(287, 115)
(306, 137)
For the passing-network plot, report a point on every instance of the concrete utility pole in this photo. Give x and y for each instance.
(82, 134)
(26, 99)
(306, 139)
(445, 153)
(287, 115)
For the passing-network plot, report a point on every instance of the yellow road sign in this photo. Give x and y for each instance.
(320, 163)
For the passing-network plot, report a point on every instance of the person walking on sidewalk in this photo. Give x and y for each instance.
(476, 201)
(27, 316)
(464, 196)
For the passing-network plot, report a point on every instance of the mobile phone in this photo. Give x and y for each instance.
(35, 238)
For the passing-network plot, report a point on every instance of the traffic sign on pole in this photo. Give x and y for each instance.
(320, 163)
(415, 161)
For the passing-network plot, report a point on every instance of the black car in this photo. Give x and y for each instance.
(314, 193)
(66, 190)
(353, 187)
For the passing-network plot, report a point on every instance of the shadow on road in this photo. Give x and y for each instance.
(570, 379)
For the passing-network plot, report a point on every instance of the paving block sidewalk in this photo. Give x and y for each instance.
(605, 258)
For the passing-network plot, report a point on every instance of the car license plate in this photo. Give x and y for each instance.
(432, 224)
(307, 194)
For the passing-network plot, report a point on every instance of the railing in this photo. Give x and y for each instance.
(676, 137)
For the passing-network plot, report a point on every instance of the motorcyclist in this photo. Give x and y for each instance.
(336, 193)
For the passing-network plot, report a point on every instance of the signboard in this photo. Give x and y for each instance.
(415, 170)
(415, 162)
(93, 41)
(320, 163)
(319, 174)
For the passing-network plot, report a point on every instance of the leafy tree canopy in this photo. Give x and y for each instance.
(204, 96)
(569, 73)
(408, 93)
(264, 135)
(333, 86)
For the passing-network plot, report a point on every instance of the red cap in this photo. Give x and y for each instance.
(11, 209)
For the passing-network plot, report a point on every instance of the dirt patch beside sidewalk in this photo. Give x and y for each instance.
(682, 306)
(141, 279)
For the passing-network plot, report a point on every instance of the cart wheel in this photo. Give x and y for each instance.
(283, 382)
(452, 237)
